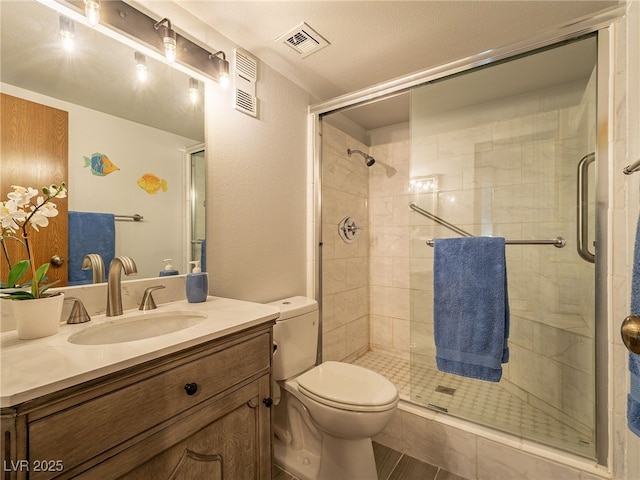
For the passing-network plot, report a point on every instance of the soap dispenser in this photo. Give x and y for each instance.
(168, 269)
(197, 284)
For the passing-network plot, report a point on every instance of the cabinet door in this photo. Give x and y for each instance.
(235, 446)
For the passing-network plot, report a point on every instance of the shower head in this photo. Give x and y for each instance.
(367, 158)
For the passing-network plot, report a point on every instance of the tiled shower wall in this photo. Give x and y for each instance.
(345, 266)
(514, 178)
(494, 178)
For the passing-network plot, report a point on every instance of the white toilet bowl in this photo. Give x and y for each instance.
(347, 405)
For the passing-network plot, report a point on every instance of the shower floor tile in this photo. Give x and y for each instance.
(486, 403)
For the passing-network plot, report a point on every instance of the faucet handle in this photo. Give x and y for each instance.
(78, 313)
(147, 302)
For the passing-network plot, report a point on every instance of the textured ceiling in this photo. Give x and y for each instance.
(370, 42)
(375, 41)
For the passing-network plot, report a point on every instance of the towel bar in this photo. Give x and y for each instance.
(136, 217)
(558, 242)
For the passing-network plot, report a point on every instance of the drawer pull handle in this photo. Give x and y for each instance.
(191, 388)
(268, 401)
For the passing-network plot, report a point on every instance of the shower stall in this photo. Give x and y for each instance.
(505, 149)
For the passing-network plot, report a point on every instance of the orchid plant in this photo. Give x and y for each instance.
(27, 208)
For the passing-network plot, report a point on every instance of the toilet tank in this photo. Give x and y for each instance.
(296, 336)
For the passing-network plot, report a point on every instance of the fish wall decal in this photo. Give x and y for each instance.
(100, 164)
(150, 183)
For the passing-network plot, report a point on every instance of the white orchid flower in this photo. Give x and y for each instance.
(38, 219)
(21, 195)
(10, 214)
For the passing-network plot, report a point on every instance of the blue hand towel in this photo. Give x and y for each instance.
(203, 255)
(633, 399)
(89, 232)
(471, 306)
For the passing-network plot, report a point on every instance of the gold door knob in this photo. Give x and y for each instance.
(630, 331)
(56, 260)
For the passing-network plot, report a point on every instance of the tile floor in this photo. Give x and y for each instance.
(486, 403)
(392, 465)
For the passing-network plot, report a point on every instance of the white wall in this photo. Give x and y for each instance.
(256, 180)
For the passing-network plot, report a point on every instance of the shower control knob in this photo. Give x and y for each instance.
(191, 388)
(268, 402)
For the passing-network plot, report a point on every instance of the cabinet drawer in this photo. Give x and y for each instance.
(79, 433)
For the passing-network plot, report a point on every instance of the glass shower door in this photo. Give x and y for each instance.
(496, 152)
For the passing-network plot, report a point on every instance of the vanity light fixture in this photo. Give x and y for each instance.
(194, 91)
(223, 68)
(155, 38)
(142, 72)
(92, 11)
(168, 39)
(67, 32)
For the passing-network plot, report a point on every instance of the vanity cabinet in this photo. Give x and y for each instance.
(199, 413)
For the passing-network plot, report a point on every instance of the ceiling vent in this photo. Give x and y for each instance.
(245, 76)
(304, 40)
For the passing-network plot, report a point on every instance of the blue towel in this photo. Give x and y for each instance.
(89, 232)
(471, 306)
(203, 255)
(633, 399)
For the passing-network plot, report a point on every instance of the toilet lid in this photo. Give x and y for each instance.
(347, 385)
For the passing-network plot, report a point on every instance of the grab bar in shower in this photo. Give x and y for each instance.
(558, 242)
(582, 230)
(632, 168)
(439, 220)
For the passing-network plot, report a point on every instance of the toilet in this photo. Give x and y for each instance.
(324, 415)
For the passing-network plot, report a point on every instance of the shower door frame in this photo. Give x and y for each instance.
(600, 24)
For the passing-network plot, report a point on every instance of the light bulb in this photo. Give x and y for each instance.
(67, 32)
(168, 39)
(92, 11)
(224, 80)
(223, 68)
(169, 48)
(142, 72)
(194, 93)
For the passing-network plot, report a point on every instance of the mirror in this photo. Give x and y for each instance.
(130, 143)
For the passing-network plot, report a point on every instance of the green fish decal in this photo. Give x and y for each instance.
(100, 164)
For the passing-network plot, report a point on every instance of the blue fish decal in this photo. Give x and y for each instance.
(100, 164)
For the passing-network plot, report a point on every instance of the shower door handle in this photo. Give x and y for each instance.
(583, 208)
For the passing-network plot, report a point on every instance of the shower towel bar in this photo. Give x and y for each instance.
(556, 242)
(136, 217)
(631, 168)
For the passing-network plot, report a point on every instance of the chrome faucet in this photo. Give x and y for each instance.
(114, 286)
(93, 262)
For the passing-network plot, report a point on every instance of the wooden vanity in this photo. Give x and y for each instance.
(201, 412)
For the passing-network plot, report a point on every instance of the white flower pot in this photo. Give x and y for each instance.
(39, 317)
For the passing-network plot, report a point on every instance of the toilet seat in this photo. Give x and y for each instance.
(348, 387)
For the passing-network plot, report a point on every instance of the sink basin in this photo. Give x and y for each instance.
(138, 327)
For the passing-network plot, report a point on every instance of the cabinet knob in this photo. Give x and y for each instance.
(268, 402)
(191, 388)
(56, 260)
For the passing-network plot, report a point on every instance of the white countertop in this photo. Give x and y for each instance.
(32, 368)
